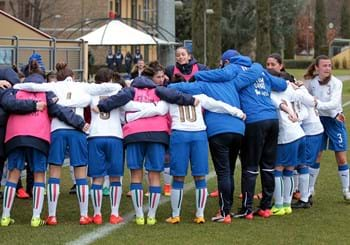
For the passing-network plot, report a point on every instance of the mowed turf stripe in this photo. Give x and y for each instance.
(106, 229)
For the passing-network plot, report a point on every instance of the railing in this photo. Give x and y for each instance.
(16, 51)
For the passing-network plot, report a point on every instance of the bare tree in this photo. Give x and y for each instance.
(33, 12)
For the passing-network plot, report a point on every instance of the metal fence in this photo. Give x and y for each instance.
(16, 51)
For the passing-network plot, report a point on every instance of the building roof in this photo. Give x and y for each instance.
(7, 31)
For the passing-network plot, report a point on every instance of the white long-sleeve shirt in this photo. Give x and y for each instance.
(72, 94)
(311, 124)
(329, 96)
(288, 131)
(189, 118)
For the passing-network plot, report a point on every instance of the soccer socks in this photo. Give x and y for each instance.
(288, 187)
(106, 182)
(343, 171)
(115, 190)
(167, 176)
(279, 188)
(137, 198)
(96, 198)
(9, 196)
(201, 196)
(53, 188)
(83, 196)
(296, 180)
(304, 179)
(176, 197)
(38, 199)
(314, 170)
(153, 200)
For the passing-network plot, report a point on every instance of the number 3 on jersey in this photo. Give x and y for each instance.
(187, 113)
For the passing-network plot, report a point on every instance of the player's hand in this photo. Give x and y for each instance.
(293, 117)
(340, 117)
(95, 109)
(244, 117)
(86, 127)
(40, 106)
(196, 102)
(5, 84)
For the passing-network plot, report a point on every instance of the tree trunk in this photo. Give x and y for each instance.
(214, 34)
(320, 25)
(198, 9)
(263, 41)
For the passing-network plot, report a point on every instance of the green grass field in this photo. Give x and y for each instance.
(325, 223)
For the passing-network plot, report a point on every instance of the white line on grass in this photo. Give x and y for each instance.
(106, 229)
(346, 104)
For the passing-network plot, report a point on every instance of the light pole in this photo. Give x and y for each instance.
(307, 39)
(206, 11)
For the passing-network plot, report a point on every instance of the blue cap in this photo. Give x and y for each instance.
(228, 54)
(37, 57)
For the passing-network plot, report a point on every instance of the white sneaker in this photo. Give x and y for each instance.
(346, 195)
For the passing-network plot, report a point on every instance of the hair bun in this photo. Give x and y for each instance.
(61, 66)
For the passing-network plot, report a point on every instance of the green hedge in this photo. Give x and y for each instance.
(296, 64)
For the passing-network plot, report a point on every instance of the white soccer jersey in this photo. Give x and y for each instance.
(288, 131)
(72, 94)
(105, 124)
(187, 118)
(311, 124)
(329, 96)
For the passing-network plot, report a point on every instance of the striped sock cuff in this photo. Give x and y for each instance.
(116, 183)
(39, 184)
(54, 181)
(303, 170)
(155, 189)
(343, 167)
(136, 186)
(96, 187)
(288, 173)
(11, 184)
(200, 184)
(178, 185)
(81, 181)
(278, 173)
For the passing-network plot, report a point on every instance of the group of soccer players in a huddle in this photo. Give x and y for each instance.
(275, 124)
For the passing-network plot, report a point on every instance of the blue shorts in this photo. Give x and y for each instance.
(76, 143)
(105, 157)
(152, 154)
(36, 159)
(335, 137)
(312, 148)
(188, 146)
(291, 154)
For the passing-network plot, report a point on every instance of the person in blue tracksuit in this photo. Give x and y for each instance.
(225, 134)
(260, 141)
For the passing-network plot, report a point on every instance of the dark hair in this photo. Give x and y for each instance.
(153, 68)
(34, 67)
(182, 47)
(103, 75)
(310, 72)
(278, 58)
(63, 71)
(19, 73)
(50, 75)
(117, 78)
